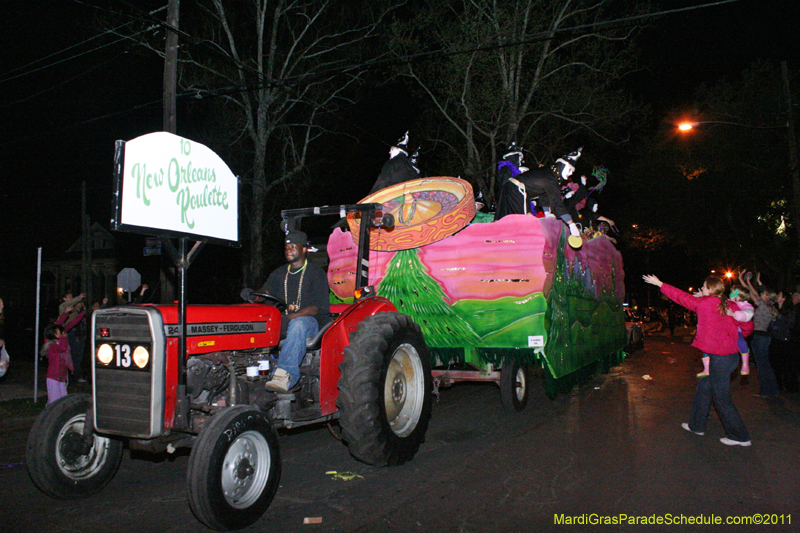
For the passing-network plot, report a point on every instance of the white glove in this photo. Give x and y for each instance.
(573, 230)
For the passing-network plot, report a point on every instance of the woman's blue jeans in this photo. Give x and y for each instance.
(768, 385)
(717, 387)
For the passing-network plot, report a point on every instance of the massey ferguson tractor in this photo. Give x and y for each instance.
(425, 296)
(369, 368)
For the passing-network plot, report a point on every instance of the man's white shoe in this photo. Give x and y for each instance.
(730, 442)
(279, 382)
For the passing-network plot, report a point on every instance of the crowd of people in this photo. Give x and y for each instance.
(65, 342)
(734, 323)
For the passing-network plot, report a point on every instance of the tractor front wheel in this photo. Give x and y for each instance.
(66, 461)
(234, 469)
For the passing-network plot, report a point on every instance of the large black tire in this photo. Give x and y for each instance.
(59, 462)
(234, 469)
(385, 390)
(514, 386)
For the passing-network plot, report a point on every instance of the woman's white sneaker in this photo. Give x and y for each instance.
(685, 426)
(729, 442)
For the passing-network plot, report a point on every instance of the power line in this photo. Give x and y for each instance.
(65, 82)
(9, 75)
(294, 80)
(408, 58)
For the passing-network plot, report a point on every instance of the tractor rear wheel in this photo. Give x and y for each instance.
(385, 390)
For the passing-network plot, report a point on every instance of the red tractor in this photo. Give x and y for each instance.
(369, 368)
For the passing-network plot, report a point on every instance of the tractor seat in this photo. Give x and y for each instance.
(312, 343)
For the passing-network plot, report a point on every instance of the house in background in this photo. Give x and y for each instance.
(96, 264)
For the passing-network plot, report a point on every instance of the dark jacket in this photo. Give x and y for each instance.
(396, 170)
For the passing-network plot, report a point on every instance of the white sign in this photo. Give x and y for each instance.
(535, 341)
(174, 184)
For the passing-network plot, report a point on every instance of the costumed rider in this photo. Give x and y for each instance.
(511, 165)
(399, 168)
(541, 183)
(304, 288)
(582, 204)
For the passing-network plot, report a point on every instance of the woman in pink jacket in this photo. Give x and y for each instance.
(717, 335)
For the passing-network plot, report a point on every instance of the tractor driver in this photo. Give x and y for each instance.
(304, 288)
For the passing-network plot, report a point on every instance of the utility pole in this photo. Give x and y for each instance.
(171, 67)
(86, 249)
(170, 112)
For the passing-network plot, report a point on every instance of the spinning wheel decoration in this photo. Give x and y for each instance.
(425, 210)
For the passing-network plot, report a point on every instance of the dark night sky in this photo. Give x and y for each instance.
(59, 119)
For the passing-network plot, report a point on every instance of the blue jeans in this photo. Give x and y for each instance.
(717, 386)
(294, 346)
(76, 343)
(768, 384)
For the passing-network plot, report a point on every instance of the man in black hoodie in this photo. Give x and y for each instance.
(399, 167)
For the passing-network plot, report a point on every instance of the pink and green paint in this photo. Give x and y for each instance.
(505, 289)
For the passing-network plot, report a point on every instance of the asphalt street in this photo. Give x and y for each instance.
(610, 450)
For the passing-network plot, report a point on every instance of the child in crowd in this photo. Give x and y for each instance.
(743, 314)
(59, 362)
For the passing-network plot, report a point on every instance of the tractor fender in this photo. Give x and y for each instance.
(336, 339)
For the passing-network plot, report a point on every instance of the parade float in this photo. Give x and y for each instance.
(508, 295)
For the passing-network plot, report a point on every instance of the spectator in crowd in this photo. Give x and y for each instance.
(781, 333)
(140, 297)
(716, 337)
(59, 362)
(793, 364)
(764, 301)
(72, 320)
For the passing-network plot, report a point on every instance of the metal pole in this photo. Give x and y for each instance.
(36, 336)
(182, 314)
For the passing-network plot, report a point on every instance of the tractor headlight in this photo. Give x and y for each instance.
(141, 356)
(105, 353)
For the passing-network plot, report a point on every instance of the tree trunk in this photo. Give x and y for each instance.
(256, 222)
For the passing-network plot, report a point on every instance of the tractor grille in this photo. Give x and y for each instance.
(128, 400)
(122, 401)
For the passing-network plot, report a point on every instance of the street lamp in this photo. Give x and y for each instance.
(794, 164)
(686, 125)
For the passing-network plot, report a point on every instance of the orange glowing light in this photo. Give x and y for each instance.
(684, 126)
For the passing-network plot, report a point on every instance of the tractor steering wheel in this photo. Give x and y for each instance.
(277, 302)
